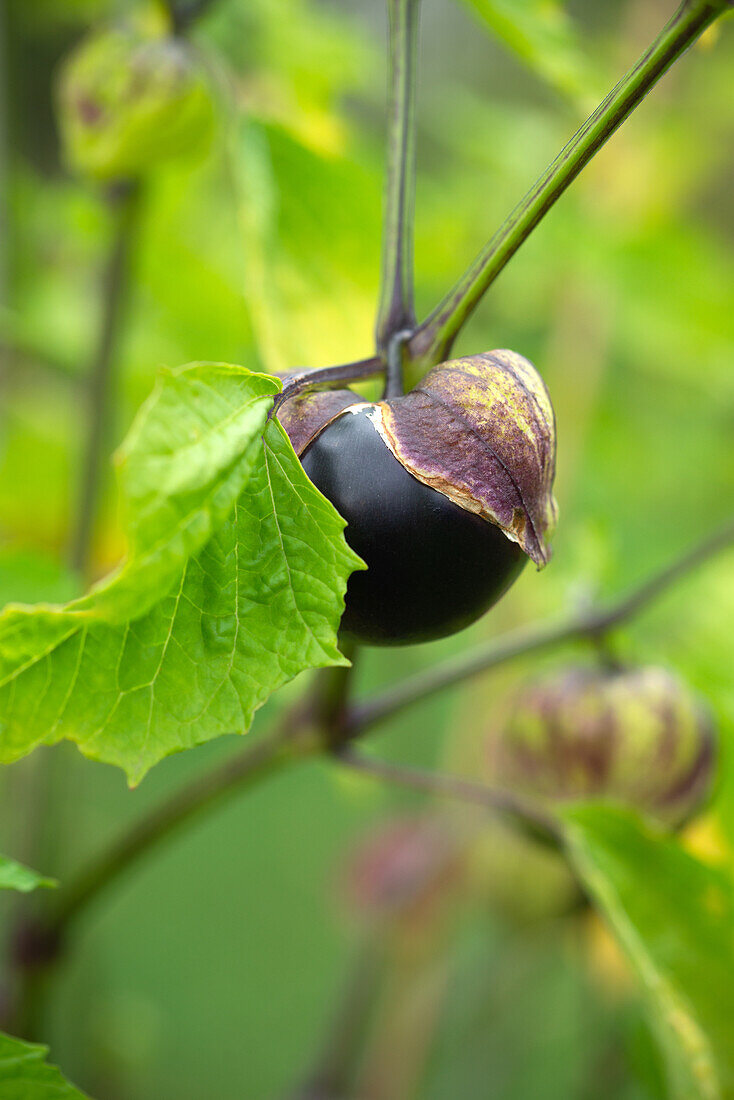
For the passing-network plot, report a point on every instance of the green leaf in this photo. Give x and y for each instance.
(323, 283)
(14, 876)
(25, 1074)
(233, 584)
(674, 918)
(543, 35)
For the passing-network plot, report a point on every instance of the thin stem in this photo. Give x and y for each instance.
(328, 710)
(125, 203)
(40, 941)
(434, 338)
(254, 764)
(297, 382)
(530, 817)
(331, 697)
(590, 624)
(293, 739)
(395, 310)
(394, 386)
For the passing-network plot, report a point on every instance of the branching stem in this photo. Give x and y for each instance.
(434, 338)
(327, 724)
(522, 812)
(295, 736)
(590, 624)
(298, 382)
(303, 731)
(394, 386)
(41, 940)
(254, 764)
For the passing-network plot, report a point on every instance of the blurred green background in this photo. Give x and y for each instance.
(216, 967)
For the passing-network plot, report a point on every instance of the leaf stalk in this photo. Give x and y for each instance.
(434, 337)
(396, 310)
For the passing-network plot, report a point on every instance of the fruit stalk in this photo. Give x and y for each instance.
(524, 813)
(125, 207)
(434, 338)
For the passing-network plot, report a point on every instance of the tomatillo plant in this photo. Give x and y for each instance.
(276, 524)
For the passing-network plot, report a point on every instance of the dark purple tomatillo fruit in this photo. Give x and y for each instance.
(433, 567)
(446, 491)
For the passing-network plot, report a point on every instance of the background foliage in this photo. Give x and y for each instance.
(215, 968)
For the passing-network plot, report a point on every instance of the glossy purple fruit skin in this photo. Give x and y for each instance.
(433, 568)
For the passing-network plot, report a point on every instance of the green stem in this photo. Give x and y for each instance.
(326, 724)
(433, 340)
(247, 769)
(330, 706)
(528, 816)
(303, 731)
(395, 310)
(41, 939)
(396, 354)
(125, 204)
(35, 951)
(591, 624)
(329, 715)
(299, 381)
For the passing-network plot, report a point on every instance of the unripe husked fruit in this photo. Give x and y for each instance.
(446, 491)
(129, 99)
(638, 736)
(433, 567)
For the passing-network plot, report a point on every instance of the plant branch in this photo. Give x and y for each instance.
(298, 381)
(124, 204)
(303, 731)
(434, 338)
(330, 700)
(394, 386)
(590, 624)
(40, 939)
(529, 816)
(395, 310)
(329, 715)
(327, 723)
(257, 762)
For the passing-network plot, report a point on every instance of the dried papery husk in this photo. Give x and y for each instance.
(638, 736)
(305, 415)
(481, 430)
